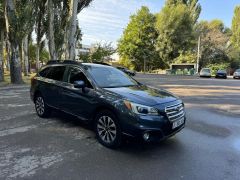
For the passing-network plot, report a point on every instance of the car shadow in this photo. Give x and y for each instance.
(129, 145)
(70, 120)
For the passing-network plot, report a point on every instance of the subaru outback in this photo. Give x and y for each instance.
(115, 103)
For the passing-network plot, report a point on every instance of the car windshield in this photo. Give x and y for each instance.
(109, 77)
(206, 70)
(221, 71)
(238, 70)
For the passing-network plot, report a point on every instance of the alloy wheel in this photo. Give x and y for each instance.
(39, 104)
(106, 129)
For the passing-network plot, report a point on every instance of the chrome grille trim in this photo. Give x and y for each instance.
(175, 112)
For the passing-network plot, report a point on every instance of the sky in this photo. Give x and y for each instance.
(105, 20)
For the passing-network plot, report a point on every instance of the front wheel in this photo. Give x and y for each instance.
(41, 108)
(107, 129)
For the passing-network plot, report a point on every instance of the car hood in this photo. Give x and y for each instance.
(143, 95)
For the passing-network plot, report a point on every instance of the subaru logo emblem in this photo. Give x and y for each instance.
(177, 109)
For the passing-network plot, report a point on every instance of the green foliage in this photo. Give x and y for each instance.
(138, 40)
(193, 6)
(126, 63)
(99, 53)
(39, 13)
(186, 57)
(102, 52)
(43, 55)
(215, 46)
(85, 58)
(236, 28)
(215, 67)
(175, 28)
(21, 21)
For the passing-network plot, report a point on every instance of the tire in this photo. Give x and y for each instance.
(107, 129)
(41, 108)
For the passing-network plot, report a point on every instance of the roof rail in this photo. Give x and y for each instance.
(63, 62)
(102, 63)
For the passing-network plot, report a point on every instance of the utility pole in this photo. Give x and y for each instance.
(198, 53)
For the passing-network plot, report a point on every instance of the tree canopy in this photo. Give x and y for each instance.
(139, 38)
(236, 28)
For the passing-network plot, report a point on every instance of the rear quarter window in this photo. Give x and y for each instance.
(56, 73)
(44, 72)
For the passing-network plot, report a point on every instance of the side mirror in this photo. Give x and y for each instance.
(79, 84)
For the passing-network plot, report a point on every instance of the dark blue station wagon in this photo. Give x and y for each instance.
(112, 101)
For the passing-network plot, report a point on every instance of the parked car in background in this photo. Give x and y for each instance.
(221, 74)
(236, 74)
(126, 70)
(113, 102)
(205, 72)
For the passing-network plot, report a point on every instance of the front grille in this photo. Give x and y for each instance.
(175, 112)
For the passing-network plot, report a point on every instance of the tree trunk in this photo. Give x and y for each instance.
(21, 54)
(65, 43)
(8, 55)
(72, 30)
(1, 56)
(25, 56)
(51, 41)
(15, 65)
(37, 57)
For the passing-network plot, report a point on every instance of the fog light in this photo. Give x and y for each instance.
(146, 136)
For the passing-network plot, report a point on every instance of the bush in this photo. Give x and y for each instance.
(215, 67)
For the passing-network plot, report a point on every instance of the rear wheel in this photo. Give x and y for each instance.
(41, 108)
(107, 129)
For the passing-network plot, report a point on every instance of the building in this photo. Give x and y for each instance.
(83, 50)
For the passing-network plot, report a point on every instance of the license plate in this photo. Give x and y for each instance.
(178, 123)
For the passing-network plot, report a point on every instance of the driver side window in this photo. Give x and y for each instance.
(76, 74)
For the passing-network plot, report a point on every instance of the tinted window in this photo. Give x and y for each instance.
(56, 73)
(110, 77)
(44, 72)
(76, 74)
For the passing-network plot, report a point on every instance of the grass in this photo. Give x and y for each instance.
(7, 79)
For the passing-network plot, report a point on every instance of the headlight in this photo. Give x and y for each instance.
(141, 109)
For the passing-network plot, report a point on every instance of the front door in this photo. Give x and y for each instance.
(78, 101)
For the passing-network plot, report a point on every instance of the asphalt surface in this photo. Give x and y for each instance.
(61, 147)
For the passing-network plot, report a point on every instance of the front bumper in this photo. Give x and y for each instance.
(205, 75)
(158, 127)
(221, 76)
(236, 76)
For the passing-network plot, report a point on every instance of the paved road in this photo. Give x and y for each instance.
(62, 148)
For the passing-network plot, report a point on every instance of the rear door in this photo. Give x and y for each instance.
(52, 84)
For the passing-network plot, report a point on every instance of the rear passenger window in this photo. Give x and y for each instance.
(56, 73)
(44, 72)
